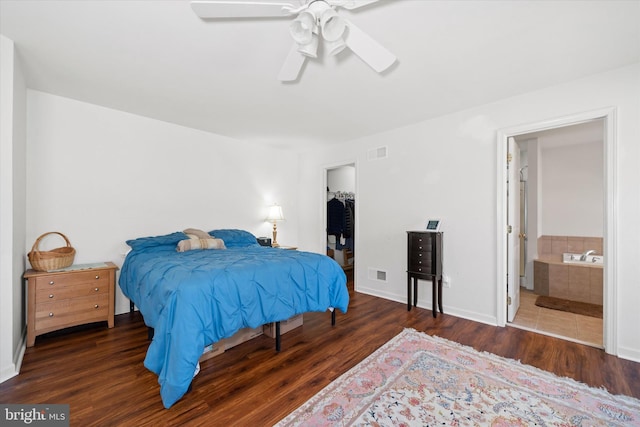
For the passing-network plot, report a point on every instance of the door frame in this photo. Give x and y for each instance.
(512, 209)
(325, 171)
(610, 320)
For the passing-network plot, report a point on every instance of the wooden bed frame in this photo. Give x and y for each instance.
(150, 330)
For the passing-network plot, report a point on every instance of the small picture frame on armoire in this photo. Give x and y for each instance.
(433, 225)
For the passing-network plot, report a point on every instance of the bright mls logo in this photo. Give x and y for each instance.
(36, 415)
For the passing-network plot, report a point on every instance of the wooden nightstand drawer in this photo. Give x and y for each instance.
(73, 311)
(57, 293)
(61, 299)
(58, 280)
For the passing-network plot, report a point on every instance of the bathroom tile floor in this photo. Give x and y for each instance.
(574, 327)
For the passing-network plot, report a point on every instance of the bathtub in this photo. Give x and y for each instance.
(563, 277)
(569, 258)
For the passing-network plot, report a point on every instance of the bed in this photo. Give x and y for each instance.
(195, 298)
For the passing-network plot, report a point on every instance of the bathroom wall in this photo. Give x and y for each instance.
(555, 246)
(572, 193)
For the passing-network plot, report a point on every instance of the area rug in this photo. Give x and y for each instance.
(577, 307)
(421, 380)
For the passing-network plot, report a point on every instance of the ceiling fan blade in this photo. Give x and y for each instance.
(241, 9)
(352, 4)
(369, 50)
(292, 65)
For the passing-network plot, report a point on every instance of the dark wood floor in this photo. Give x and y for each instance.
(99, 371)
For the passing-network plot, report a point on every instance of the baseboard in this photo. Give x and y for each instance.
(426, 304)
(379, 294)
(13, 369)
(629, 354)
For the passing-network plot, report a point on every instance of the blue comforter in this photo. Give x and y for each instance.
(198, 297)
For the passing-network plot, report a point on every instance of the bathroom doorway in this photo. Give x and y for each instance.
(567, 196)
(537, 142)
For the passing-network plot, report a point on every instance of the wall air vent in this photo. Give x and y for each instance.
(379, 275)
(377, 153)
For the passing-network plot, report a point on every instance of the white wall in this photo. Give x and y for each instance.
(102, 176)
(342, 178)
(12, 209)
(446, 168)
(572, 190)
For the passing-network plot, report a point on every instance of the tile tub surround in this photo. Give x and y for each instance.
(574, 282)
(557, 245)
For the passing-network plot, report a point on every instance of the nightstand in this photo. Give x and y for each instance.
(291, 248)
(70, 297)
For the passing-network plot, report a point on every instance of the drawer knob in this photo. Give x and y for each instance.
(50, 295)
(96, 289)
(51, 282)
(50, 314)
(97, 276)
(96, 306)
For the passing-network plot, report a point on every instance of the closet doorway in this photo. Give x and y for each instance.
(341, 214)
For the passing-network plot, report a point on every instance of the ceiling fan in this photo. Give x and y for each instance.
(315, 21)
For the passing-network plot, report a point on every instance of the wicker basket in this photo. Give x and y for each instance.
(54, 259)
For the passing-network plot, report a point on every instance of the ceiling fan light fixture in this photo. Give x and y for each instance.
(310, 49)
(335, 47)
(302, 27)
(333, 26)
(313, 22)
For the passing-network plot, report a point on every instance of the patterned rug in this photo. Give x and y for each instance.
(420, 380)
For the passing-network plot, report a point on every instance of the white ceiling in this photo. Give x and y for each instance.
(158, 59)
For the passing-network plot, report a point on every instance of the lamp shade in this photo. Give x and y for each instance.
(275, 213)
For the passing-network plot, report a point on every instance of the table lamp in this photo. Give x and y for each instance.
(275, 214)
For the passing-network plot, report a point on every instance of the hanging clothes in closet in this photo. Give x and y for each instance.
(341, 219)
(335, 218)
(349, 219)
